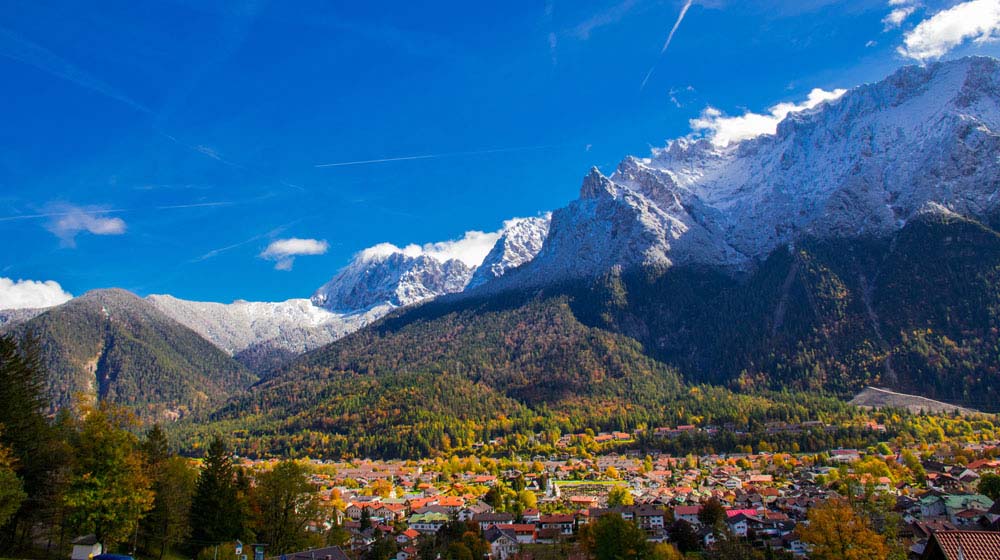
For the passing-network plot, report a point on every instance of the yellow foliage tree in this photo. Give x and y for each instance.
(836, 532)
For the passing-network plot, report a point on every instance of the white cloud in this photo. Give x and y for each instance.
(67, 221)
(284, 251)
(724, 130)
(29, 294)
(471, 249)
(976, 20)
(898, 16)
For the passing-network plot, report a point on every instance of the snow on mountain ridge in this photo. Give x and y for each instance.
(520, 241)
(388, 276)
(857, 165)
(295, 325)
(394, 279)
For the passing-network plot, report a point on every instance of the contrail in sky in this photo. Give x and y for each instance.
(18, 48)
(74, 210)
(433, 156)
(680, 18)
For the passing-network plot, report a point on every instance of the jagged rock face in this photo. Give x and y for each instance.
(860, 165)
(393, 280)
(520, 242)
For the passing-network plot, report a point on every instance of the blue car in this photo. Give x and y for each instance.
(112, 557)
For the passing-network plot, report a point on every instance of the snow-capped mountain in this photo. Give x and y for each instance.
(385, 278)
(295, 325)
(859, 165)
(519, 243)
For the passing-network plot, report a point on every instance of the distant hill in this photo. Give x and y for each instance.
(113, 345)
(873, 397)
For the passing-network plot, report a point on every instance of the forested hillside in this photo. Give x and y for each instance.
(112, 345)
(917, 312)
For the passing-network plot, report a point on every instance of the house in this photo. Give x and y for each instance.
(390, 512)
(792, 543)
(430, 522)
(963, 545)
(955, 507)
(688, 513)
(407, 553)
(485, 520)
(845, 456)
(732, 483)
(524, 532)
(562, 523)
(650, 518)
(503, 542)
(739, 524)
(408, 536)
(85, 547)
(922, 530)
(471, 510)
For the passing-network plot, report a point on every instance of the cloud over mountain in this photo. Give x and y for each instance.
(723, 130)
(471, 248)
(975, 20)
(31, 294)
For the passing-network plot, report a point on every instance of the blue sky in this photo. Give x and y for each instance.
(162, 147)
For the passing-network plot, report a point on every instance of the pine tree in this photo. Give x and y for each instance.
(156, 447)
(217, 514)
(35, 454)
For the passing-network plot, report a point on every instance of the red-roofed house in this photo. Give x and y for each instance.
(963, 545)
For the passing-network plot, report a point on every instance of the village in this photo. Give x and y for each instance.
(535, 506)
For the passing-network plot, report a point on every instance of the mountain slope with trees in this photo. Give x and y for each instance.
(112, 345)
(917, 312)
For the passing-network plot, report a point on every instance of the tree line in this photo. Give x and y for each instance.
(93, 472)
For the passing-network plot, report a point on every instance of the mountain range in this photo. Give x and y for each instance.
(854, 246)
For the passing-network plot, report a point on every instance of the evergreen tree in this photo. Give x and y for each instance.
(156, 447)
(613, 538)
(217, 514)
(712, 514)
(169, 520)
(684, 536)
(35, 455)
